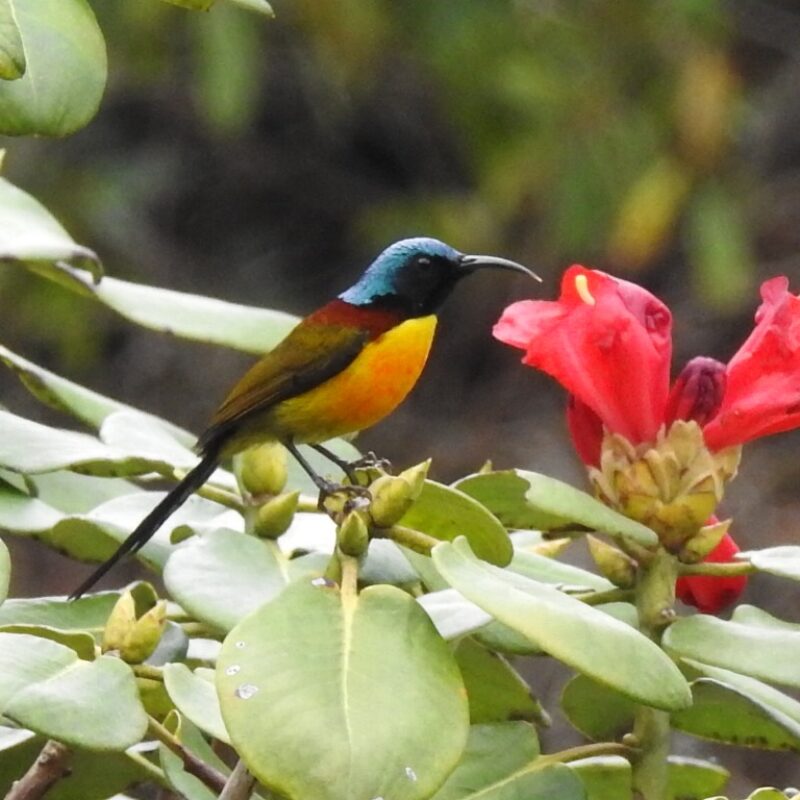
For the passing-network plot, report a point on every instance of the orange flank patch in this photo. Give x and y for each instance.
(365, 392)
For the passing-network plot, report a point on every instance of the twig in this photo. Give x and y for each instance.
(209, 776)
(608, 596)
(240, 784)
(414, 540)
(587, 751)
(51, 765)
(722, 569)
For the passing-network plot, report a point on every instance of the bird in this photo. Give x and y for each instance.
(342, 369)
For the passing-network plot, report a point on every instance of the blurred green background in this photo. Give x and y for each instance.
(267, 162)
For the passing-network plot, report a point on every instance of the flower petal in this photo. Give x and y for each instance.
(763, 378)
(711, 593)
(607, 341)
(586, 430)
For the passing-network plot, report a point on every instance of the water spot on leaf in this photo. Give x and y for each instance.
(246, 691)
(232, 669)
(325, 583)
(410, 774)
(240, 645)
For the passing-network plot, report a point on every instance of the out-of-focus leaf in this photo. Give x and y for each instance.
(782, 561)
(452, 614)
(12, 53)
(47, 688)
(247, 328)
(620, 657)
(595, 710)
(259, 6)
(66, 69)
(29, 233)
(192, 5)
(82, 642)
(745, 648)
(522, 499)
(299, 681)
(719, 247)
(446, 513)
(196, 698)
(693, 778)
(5, 571)
(85, 614)
(496, 692)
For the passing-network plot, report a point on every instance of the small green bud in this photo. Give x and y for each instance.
(275, 516)
(120, 622)
(391, 498)
(145, 634)
(416, 477)
(353, 534)
(263, 469)
(615, 565)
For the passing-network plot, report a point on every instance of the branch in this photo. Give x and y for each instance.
(587, 751)
(240, 784)
(209, 776)
(51, 765)
(414, 540)
(722, 569)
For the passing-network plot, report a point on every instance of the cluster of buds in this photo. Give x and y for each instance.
(673, 486)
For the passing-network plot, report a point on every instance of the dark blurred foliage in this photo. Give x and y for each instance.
(267, 162)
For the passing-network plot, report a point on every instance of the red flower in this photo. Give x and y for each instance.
(711, 593)
(608, 342)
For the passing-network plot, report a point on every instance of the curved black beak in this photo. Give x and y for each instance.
(473, 263)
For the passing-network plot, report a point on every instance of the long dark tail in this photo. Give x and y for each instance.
(153, 521)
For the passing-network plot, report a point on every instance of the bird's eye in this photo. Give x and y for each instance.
(424, 261)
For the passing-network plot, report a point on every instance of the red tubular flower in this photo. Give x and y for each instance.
(763, 391)
(711, 593)
(606, 341)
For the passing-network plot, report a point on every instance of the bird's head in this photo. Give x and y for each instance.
(414, 276)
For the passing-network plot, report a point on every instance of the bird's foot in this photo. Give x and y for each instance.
(371, 461)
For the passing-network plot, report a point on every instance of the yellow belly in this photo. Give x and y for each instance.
(369, 389)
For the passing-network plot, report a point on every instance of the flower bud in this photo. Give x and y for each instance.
(698, 391)
(704, 542)
(672, 487)
(615, 565)
(353, 534)
(274, 517)
(134, 639)
(263, 469)
(711, 593)
(391, 498)
(416, 477)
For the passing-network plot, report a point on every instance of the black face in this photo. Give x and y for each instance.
(424, 282)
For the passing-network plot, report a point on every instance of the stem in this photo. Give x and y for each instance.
(414, 540)
(608, 596)
(240, 784)
(50, 766)
(587, 751)
(209, 776)
(723, 569)
(148, 671)
(655, 597)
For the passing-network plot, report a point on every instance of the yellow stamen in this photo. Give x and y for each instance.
(582, 288)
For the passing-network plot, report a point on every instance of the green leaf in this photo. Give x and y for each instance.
(745, 648)
(63, 395)
(446, 513)
(495, 690)
(223, 576)
(192, 5)
(66, 69)
(725, 714)
(315, 704)
(782, 561)
(92, 775)
(767, 793)
(694, 778)
(548, 570)
(595, 710)
(44, 686)
(247, 328)
(618, 656)
(5, 570)
(605, 777)
(196, 698)
(259, 6)
(82, 642)
(499, 763)
(12, 53)
(452, 614)
(86, 614)
(30, 234)
(751, 615)
(522, 499)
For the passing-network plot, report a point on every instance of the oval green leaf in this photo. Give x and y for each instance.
(592, 642)
(452, 614)
(782, 561)
(745, 648)
(223, 576)
(196, 698)
(694, 778)
(598, 712)
(5, 571)
(605, 777)
(85, 614)
(340, 697)
(445, 513)
(12, 53)
(66, 69)
(522, 499)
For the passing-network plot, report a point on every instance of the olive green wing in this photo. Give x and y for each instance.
(307, 357)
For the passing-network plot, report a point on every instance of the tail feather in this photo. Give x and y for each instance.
(153, 521)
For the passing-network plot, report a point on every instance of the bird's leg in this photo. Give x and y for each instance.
(371, 460)
(367, 461)
(325, 487)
